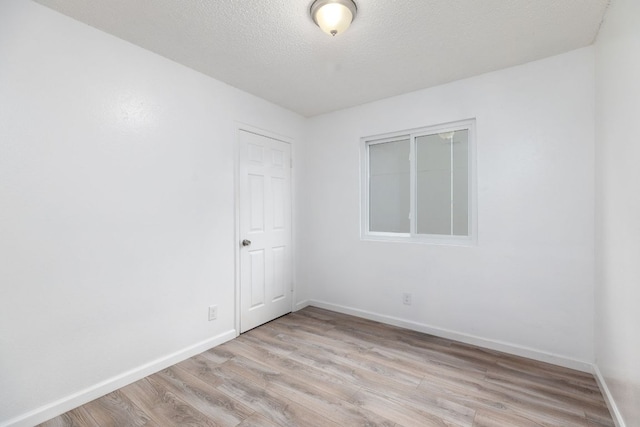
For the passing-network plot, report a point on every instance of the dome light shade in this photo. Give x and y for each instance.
(333, 16)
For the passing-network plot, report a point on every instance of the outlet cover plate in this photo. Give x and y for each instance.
(406, 299)
(213, 312)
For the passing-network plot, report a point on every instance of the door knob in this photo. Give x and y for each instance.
(246, 242)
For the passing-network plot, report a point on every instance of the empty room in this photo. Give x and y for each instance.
(319, 213)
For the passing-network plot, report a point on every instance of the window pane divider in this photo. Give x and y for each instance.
(413, 213)
(451, 184)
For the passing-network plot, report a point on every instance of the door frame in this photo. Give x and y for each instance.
(240, 127)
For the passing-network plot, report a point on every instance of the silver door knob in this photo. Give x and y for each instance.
(246, 242)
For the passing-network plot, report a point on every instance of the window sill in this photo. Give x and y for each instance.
(423, 240)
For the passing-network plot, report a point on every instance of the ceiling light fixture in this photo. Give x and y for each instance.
(333, 16)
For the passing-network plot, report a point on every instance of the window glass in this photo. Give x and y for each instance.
(461, 183)
(389, 187)
(433, 185)
(442, 183)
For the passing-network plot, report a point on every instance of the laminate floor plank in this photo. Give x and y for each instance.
(257, 420)
(313, 338)
(78, 417)
(116, 409)
(600, 423)
(202, 367)
(274, 345)
(403, 415)
(164, 406)
(271, 405)
(307, 394)
(395, 360)
(429, 405)
(485, 396)
(600, 417)
(351, 361)
(553, 387)
(223, 409)
(559, 396)
(219, 354)
(549, 370)
(330, 383)
(317, 368)
(489, 418)
(347, 373)
(435, 353)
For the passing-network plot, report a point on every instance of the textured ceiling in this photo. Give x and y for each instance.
(272, 48)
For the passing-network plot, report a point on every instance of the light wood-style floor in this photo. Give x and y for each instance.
(320, 368)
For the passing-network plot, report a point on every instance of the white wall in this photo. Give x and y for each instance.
(528, 285)
(116, 207)
(618, 207)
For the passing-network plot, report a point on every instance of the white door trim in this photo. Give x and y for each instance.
(240, 126)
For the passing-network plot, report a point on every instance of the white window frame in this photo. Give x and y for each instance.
(413, 236)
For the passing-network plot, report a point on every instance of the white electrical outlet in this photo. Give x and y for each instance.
(406, 299)
(213, 312)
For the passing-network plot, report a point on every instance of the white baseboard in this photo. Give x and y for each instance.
(300, 305)
(514, 349)
(608, 397)
(67, 403)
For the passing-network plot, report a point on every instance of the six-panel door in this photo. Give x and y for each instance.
(265, 229)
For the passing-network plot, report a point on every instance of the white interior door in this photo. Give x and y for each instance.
(265, 229)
